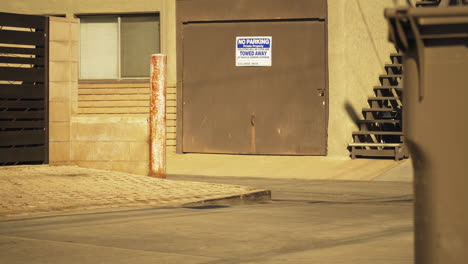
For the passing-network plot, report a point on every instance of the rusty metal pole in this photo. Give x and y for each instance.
(157, 120)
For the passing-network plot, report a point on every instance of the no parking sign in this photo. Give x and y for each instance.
(253, 51)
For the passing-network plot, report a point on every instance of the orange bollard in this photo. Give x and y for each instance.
(157, 121)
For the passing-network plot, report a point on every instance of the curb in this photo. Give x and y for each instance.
(258, 196)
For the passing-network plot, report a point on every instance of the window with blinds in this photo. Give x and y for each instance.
(118, 46)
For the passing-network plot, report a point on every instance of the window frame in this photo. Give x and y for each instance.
(119, 16)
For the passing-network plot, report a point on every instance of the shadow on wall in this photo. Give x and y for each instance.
(351, 111)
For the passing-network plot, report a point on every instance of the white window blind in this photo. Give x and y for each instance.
(99, 47)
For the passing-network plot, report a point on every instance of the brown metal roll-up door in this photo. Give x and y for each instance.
(280, 109)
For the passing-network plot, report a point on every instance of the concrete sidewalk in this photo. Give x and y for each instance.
(26, 190)
(289, 167)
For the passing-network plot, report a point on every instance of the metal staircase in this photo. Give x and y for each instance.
(380, 133)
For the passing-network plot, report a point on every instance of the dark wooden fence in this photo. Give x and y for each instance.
(23, 89)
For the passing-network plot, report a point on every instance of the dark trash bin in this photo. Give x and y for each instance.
(435, 44)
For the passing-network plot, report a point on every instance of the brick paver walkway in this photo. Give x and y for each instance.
(38, 189)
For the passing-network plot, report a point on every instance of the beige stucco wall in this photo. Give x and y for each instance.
(118, 143)
(63, 81)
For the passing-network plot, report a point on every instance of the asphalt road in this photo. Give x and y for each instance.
(307, 222)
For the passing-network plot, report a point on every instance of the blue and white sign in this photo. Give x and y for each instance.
(253, 51)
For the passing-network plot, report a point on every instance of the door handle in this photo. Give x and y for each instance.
(252, 120)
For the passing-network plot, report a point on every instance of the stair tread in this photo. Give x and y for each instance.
(376, 98)
(387, 87)
(392, 133)
(379, 109)
(375, 144)
(394, 54)
(391, 76)
(379, 121)
(393, 65)
(427, 3)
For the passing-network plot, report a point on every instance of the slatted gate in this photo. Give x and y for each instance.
(23, 89)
